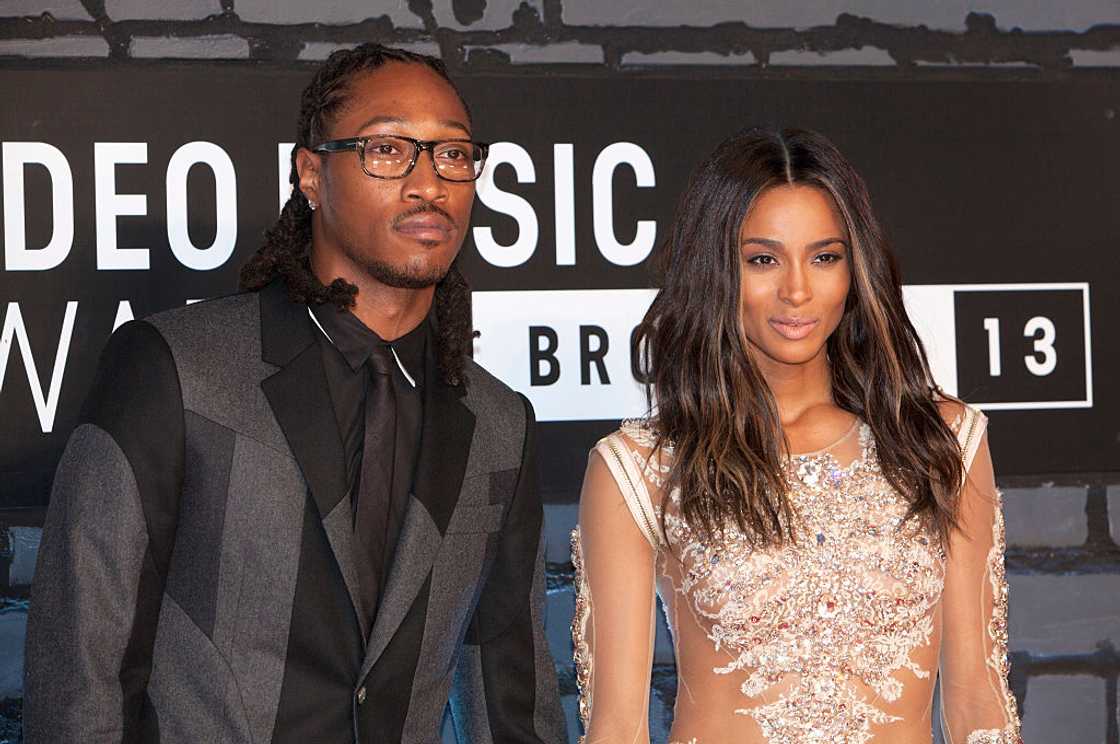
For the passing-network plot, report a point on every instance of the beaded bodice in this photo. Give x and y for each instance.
(833, 635)
(845, 601)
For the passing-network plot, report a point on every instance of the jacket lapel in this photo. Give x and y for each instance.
(445, 445)
(301, 402)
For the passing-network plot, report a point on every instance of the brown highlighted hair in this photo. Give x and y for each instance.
(286, 250)
(708, 399)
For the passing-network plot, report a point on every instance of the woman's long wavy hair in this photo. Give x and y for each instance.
(286, 251)
(707, 396)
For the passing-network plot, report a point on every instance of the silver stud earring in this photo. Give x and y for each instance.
(313, 205)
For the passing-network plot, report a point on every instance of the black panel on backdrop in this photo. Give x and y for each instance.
(1021, 346)
(994, 183)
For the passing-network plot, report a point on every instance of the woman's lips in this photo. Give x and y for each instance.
(793, 329)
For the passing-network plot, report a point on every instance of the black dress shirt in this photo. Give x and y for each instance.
(346, 345)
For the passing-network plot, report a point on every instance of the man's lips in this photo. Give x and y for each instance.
(431, 228)
(794, 329)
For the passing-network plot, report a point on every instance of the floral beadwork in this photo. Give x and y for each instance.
(997, 632)
(822, 633)
(581, 651)
(846, 601)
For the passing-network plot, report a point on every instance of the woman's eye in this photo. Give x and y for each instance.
(828, 258)
(762, 259)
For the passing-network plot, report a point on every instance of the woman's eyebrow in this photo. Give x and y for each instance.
(768, 242)
(779, 245)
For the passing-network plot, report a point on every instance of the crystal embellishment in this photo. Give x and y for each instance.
(802, 611)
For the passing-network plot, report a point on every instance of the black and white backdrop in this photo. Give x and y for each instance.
(128, 190)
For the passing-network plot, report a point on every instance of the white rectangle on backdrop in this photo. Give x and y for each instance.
(504, 320)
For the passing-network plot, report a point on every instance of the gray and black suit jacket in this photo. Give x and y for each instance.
(197, 577)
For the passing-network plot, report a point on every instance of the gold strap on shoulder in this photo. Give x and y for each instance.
(632, 486)
(969, 435)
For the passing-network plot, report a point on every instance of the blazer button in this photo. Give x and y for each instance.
(361, 695)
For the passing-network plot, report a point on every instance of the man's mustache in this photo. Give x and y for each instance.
(426, 208)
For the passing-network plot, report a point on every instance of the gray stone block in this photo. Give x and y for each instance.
(559, 521)
(935, 715)
(59, 46)
(1045, 516)
(863, 57)
(1096, 57)
(687, 58)
(949, 15)
(1114, 503)
(529, 54)
(663, 640)
(1064, 614)
(984, 65)
(661, 717)
(225, 46)
(561, 605)
(25, 550)
(161, 10)
(1065, 709)
(480, 15)
(329, 12)
(13, 630)
(701, 13)
(62, 10)
(1077, 16)
(318, 50)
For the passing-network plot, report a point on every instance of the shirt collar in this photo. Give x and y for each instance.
(356, 342)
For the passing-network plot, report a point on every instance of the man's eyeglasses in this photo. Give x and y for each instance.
(394, 156)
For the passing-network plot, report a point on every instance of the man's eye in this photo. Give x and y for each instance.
(453, 154)
(383, 149)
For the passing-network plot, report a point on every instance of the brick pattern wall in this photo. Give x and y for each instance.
(908, 34)
(1064, 536)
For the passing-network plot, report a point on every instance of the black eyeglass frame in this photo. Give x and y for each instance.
(358, 144)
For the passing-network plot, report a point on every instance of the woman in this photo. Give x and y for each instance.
(821, 524)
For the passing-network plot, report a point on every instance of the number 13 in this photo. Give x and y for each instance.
(1043, 345)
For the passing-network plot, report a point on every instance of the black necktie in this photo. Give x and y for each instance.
(371, 514)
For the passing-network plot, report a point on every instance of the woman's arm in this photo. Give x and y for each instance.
(977, 704)
(613, 629)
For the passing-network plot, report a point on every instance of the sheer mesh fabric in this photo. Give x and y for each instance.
(836, 636)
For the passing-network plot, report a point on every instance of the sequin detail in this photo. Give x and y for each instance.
(997, 632)
(992, 736)
(839, 608)
(581, 651)
(812, 632)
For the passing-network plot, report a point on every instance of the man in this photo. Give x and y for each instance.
(301, 513)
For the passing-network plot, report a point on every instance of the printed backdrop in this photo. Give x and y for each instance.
(128, 189)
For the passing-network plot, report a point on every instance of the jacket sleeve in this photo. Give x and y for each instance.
(505, 685)
(105, 549)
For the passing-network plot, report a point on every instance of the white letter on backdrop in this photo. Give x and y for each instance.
(17, 256)
(225, 203)
(505, 256)
(109, 204)
(14, 330)
(610, 158)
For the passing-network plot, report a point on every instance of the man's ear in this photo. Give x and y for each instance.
(307, 165)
